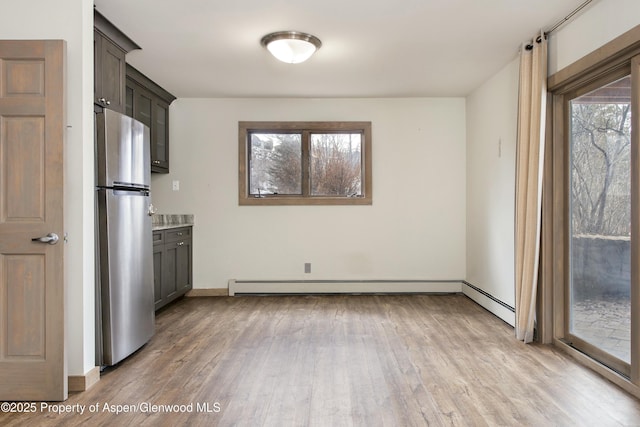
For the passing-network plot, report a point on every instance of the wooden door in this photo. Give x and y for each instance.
(31, 206)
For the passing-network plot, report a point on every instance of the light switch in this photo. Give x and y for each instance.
(176, 185)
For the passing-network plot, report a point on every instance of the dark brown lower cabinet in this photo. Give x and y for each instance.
(172, 264)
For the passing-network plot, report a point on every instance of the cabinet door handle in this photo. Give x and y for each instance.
(104, 101)
(181, 244)
(179, 234)
(156, 162)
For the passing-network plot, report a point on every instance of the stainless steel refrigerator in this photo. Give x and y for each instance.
(125, 314)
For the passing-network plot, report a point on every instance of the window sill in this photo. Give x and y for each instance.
(304, 201)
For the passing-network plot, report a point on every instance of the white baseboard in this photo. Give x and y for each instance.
(339, 287)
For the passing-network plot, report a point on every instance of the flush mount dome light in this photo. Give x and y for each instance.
(292, 47)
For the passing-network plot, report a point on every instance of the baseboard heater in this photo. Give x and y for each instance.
(494, 305)
(241, 287)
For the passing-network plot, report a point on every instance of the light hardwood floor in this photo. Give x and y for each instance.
(369, 360)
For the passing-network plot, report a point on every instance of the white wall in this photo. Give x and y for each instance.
(491, 147)
(599, 23)
(70, 20)
(492, 117)
(415, 229)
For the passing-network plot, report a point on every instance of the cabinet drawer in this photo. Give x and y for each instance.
(158, 238)
(176, 234)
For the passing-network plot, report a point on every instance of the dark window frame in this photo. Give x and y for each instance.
(305, 128)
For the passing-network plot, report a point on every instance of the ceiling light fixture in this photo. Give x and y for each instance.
(292, 47)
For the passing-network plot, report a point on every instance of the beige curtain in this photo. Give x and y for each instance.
(529, 168)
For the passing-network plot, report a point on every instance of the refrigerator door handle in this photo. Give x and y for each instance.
(51, 238)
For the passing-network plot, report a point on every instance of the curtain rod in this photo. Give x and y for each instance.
(538, 39)
(566, 18)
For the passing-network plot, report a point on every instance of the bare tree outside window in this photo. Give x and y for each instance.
(600, 180)
(336, 168)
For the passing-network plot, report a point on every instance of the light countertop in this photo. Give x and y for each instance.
(166, 221)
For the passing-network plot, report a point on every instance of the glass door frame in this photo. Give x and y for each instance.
(635, 218)
(616, 59)
(571, 339)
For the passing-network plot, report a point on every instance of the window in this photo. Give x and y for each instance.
(599, 228)
(304, 163)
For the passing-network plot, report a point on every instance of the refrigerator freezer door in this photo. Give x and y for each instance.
(122, 151)
(126, 272)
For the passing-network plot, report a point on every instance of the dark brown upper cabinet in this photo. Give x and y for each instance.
(149, 103)
(110, 46)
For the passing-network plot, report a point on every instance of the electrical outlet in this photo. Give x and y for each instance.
(176, 185)
(307, 267)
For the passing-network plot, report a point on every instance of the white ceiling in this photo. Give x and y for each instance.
(370, 48)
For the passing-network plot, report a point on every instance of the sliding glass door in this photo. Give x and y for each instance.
(600, 221)
(590, 252)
